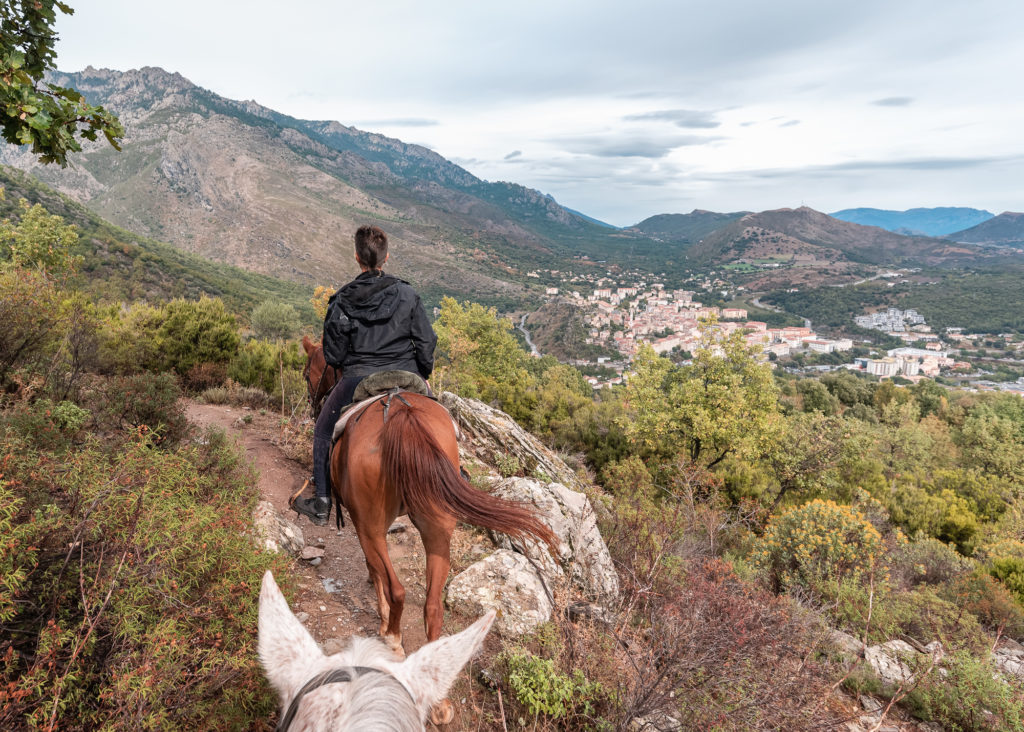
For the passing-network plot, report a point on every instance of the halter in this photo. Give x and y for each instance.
(334, 676)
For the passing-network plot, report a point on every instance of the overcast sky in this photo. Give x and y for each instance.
(626, 109)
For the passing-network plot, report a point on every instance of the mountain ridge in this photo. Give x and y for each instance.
(937, 221)
(1006, 229)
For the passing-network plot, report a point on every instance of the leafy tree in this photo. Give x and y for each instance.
(992, 443)
(197, 331)
(478, 356)
(849, 388)
(275, 321)
(807, 453)
(817, 398)
(39, 240)
(37, 113)
(725, 403)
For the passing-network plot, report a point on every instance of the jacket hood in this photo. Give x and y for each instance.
(370, 296)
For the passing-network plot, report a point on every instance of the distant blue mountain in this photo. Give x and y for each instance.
(916, 221)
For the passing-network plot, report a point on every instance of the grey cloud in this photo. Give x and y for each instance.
(399, 122)
(790, 123)
(625, 146)
(514, 154)
(838, 170)
(893, 102)
(686, 118)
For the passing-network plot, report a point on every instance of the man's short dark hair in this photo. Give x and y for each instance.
(371, 246)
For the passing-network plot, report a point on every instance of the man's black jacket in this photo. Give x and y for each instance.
(377, 323)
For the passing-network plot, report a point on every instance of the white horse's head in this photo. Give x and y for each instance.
(365, 687)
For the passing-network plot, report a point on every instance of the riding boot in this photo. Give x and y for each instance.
(316, 508)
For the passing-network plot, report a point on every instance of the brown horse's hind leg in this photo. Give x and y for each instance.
(436, 535)
(389, 590)
(383, 607)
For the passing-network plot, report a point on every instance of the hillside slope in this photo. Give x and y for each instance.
(243, 184)
(1006, 229)
(121, 266)
(686, 228)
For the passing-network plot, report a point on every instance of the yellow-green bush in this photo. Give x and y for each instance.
(820, 540)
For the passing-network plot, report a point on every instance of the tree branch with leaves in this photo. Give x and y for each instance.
(33, 111)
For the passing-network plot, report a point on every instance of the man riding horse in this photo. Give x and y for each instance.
(374, 323)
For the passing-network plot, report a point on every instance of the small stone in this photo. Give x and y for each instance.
(398, 528)
(870, 704)
(323, 608)
(311, 552)
(315, 561)
(302, 617)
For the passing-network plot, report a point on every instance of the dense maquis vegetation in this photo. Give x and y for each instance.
(978, 301)
(745, 511)
(896, 512)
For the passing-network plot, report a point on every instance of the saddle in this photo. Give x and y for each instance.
(374, 388)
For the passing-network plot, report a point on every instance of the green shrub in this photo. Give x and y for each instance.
(820, 540)
(928, 561)
(921, 614)
(196, 331)
(17, 555)
(968, 697)
(1005, 562)
(31, 321)
(145, 400)
(140, 609)
(989, 600)
(258, 364)
(542, 690)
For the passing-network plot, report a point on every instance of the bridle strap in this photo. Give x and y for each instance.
(334, 676)
(315, 406)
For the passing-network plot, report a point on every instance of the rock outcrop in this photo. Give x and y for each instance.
(582, 554)
(495, 438)
(519, 579)
(274, 532)
(507, 582)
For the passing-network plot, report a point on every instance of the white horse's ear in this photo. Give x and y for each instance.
(430, 672)
(286, 648)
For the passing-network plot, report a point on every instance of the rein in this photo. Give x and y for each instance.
(317, 405)
(334, 676)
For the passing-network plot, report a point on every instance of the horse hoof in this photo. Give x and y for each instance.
(442, 713)
(395, 644)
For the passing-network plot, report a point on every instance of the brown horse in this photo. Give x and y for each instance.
(403, 458)
(318, 387)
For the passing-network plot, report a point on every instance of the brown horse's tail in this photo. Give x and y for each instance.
(414, 465)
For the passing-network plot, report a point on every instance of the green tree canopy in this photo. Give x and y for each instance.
(725, 403)
(34, 112)
(275, 321)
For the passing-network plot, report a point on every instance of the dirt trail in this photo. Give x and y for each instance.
(349, 606)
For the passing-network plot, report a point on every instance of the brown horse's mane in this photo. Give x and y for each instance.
(420, 472)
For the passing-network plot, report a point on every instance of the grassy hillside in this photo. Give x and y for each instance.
(119, 265)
